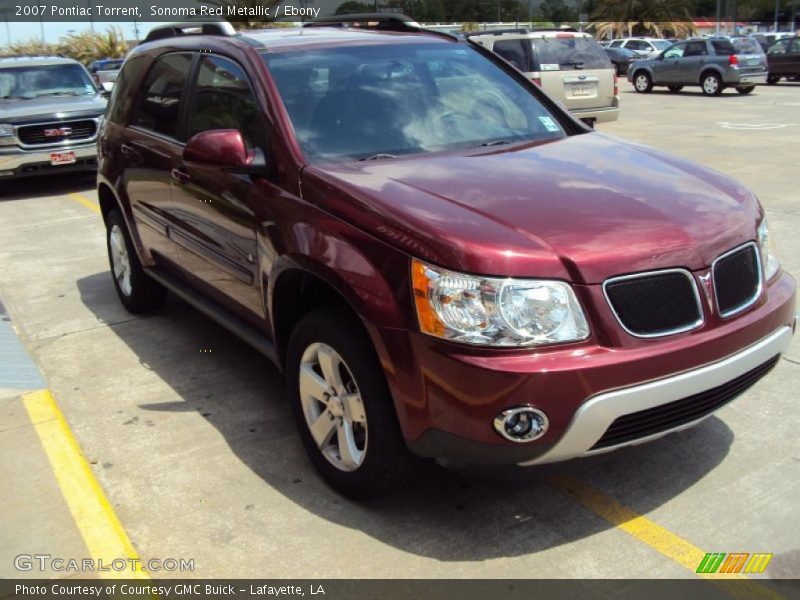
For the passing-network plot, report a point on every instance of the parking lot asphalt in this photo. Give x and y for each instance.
(189, 434)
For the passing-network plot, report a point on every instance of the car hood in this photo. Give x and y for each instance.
(51, 107)
(581, 209)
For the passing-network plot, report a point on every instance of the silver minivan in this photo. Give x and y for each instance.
(570, 66)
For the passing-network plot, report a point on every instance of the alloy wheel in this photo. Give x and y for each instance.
(120, 260)
(710, 85)
(641, 83)
(333, 407)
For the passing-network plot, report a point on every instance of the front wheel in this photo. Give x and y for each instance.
(711, 84)
(674, 88)
(642, 82)
(137, 292)
(772, 80)
(342, 406)
(745, 89)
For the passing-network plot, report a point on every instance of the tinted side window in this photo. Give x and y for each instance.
(695, 49)
(160, 104)
(796, 46)
(223, 99)
(514, 52)
(779, 47)
(723, 48)
(616, 43)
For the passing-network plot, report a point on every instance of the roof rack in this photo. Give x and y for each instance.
(190, 28)
(397, 22)
(512, 30)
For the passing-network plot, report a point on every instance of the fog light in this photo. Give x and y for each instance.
(521, 424)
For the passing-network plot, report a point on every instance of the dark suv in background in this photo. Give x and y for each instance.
(441, 259)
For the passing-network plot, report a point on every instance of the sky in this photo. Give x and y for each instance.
(17, 32)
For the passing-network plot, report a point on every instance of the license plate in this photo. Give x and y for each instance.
(753, 61)
(62, 158)
(580, 89)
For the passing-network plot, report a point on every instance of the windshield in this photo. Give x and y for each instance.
(377, 102)
(33, 82)
(746, 46)
(661, 45)
(569, 53)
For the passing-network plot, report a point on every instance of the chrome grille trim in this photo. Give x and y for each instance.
(688, 327)
(759, 287)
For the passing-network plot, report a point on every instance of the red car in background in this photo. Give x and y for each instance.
(443, 261)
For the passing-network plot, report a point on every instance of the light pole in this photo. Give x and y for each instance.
(8, 29)
(777, 10)
(719, 8)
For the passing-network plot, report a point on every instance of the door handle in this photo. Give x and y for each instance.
(181, 176)
(128, 151)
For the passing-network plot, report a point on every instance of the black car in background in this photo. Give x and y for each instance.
(621, 58)
(783, 57)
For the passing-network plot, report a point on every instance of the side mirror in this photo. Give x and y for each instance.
(222, 148)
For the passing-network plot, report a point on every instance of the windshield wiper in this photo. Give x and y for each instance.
(58, 94)
(493, 143)
(379, 156)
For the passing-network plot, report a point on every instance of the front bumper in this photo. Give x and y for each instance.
(15, 162)
(447, 395)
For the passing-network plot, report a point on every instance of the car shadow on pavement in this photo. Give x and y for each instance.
(464, 514)
(47, 185)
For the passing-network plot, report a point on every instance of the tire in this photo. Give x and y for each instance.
(137, 292)
(358, 449)
(745, 89)
(711, 84)
(772, 79)
(642, 82)
(674, 88)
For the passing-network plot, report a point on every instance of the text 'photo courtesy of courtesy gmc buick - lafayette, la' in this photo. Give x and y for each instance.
(443, 262)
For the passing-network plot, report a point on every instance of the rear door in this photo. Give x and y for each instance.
(574, 68)
(152, 148)
(695, 58)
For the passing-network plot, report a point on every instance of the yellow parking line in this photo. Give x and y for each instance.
(86, 202)
(659, 538)
(102, 531)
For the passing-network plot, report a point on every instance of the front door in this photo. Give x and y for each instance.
(217, 208)
(667, 68)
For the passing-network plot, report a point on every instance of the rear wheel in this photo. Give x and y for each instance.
(711, 84)
(342, 406)
(642, 82)
(772, 79)
(674, 88)
(745, 89)
(137, 292)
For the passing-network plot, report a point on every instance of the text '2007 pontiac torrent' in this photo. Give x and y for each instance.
(443, 261)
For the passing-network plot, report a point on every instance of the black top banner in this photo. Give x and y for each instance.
(423, 11)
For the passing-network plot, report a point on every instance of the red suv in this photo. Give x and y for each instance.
(442, 260)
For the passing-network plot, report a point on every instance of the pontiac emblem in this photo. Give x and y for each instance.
(706, 281)
(58, 132)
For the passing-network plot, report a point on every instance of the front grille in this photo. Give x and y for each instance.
(648, 422)
(737, 279)
(653, 304)
(38, 134)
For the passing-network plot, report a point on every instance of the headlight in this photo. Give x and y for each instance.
(6, 134)
(495, 312)
(768, 259)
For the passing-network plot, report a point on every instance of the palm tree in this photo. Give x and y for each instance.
(644, 17)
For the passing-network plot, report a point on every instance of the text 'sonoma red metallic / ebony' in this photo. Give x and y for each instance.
(442, 260)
